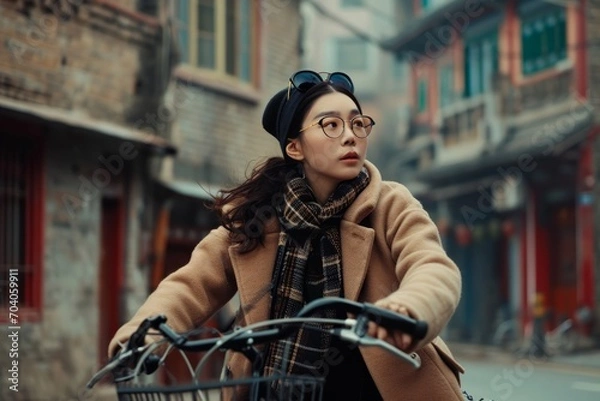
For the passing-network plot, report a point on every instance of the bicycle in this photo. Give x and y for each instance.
(138, 357)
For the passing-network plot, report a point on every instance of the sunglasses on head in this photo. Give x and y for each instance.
(306, 79)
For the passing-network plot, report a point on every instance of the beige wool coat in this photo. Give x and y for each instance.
(390, 248)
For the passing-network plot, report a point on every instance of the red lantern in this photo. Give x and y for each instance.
(463, 235)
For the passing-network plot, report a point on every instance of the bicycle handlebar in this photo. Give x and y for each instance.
(244, 337)
(383, 317)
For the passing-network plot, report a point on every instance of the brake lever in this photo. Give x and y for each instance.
(367, 341)
(109, 367)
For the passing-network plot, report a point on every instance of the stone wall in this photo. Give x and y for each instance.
(87, 60)
(82, 62)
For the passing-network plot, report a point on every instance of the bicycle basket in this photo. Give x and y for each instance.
(271, 388)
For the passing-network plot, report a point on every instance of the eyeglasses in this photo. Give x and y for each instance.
(333, 126)
(306, 79)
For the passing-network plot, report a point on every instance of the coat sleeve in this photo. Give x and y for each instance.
(429, 281)
(191, 294)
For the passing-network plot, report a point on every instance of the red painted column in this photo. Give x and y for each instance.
(581, 68)
(523, 271)
(534, 240)
(527, 258)
(511, 53)
(542, 254)
(585, 228)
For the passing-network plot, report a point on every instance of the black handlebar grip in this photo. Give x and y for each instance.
(416, 328)
(137, 339)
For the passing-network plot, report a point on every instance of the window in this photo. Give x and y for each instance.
(446, 85)
(352, 54)
(481, 63)
(399, 74)
(422, 96)
(352, 3)
(21, 223)
(543, 40)
(218, 35)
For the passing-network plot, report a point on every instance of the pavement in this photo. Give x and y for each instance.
(587, 359)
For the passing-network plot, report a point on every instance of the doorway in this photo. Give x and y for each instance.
(110, 275)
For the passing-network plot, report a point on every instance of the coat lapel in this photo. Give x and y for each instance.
(357, 243)
(253, 271)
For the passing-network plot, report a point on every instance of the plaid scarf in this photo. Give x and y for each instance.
(307, 225)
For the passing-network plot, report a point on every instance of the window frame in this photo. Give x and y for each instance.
(352, 3)
(479, 44)
(422, 96)
(446, 90)
(352, 40)
(187, 33)
(30, 283)
(542, 46)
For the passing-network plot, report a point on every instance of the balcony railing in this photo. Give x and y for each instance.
(462, 121)
(533, 95)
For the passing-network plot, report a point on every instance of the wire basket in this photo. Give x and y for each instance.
(271, 388)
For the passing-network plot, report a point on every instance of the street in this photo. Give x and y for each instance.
(529, 380)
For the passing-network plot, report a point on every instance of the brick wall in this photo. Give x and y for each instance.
(220, 134)
(59, 353)
(87, 60)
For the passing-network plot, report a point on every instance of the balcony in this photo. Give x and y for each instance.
(541, 117)
(464, 128)
(535, 94)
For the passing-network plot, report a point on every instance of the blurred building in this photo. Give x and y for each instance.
(501, 137)
(79, 82)
(232, 56)
(119, 120)
(345, 35)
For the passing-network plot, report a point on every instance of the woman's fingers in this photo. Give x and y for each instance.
(397, 338)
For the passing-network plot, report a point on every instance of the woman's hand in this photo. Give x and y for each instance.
(397, 338)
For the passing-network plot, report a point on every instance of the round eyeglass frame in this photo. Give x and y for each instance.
(320, 123)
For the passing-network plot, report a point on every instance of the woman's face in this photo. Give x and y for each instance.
(329, 161)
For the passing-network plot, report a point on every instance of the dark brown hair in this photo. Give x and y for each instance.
(245, 209)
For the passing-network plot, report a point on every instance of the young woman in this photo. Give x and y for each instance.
(321, 222)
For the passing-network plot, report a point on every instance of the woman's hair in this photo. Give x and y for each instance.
(245, 209)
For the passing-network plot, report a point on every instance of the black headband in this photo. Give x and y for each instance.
(279, 114)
